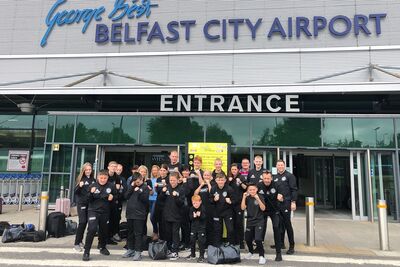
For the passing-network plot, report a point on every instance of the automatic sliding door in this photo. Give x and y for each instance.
(358, 185)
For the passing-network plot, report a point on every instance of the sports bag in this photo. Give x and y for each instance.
(223, 254)
(158, 250)
(12, 235)
(35, 236)
(70, 227)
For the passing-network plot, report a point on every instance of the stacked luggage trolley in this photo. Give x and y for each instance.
(10, 188)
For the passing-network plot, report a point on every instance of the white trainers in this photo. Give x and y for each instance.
(248, 256)
(174, 256)
(262, 260)
(77, 248)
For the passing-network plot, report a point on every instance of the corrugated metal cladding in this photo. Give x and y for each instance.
(23, 25)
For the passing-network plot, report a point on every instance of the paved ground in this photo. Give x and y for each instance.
(339, 242)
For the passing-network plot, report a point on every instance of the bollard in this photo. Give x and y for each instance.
(310, 221)
(44, 206)
(383, 225)
(21, 197)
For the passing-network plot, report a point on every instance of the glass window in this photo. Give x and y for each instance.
(46, 165)
(62, 159)
(3, 159)
(14, 138)
(56, 181)
(64, 129)
(45, 182)
(232, 130)
(263, 131)
(304, 132)
(16, 122)
(337, 132)
(37, 160)
(107, 129)
(171, 130)
(373, 132)
(50, 129)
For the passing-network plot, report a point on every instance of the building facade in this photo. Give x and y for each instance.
(311, 82)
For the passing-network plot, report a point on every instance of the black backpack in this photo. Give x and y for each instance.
(12, 235)
(158, 250)
(56, 224)
(35, 236)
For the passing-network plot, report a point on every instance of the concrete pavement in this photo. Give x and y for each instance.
(338, 240)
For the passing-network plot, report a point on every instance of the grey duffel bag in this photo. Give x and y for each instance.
(223, 254)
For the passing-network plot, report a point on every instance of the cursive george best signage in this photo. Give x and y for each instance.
(127, 21)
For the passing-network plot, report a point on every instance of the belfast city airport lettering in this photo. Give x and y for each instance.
(233, 103)
(138, 29)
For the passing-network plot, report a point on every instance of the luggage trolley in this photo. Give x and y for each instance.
(25, 194)
(6, 189)
(13, 191)
(36, 188)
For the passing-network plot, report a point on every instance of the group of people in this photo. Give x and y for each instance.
(187, 207)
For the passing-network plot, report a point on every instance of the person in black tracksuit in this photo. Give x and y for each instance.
(255, 175)
(269, 190)
(218, 168)
(223, 198)
(136, 213)
(287, 185)
(238, 183)
(101, 195)
(173, 196)
(203, 190)
(84, 180)
(116, 204)
(255, 206)
(162, 182)
(198, 220)
(173, 164)
(185, 223)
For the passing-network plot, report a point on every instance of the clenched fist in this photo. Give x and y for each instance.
(110, 197)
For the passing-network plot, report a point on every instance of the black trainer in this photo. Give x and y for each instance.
(278, 257)
(201, 259)
(86, 257)
(104, 251)
(290, 251)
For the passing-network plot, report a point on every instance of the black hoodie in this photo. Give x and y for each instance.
(137, 202)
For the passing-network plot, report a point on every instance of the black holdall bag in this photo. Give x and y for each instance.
(223, 254)
(56, 224)
(12, 235)
(158, 250)
(70, 227)
(4, 226)
(35, 236)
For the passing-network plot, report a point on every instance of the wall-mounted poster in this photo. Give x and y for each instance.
(18, 160)
(209, 152)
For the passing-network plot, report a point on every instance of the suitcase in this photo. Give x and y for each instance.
(63, 205)
(56, 224)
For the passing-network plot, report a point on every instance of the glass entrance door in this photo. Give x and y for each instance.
(269, 157)
(359, 185)
(383, 185)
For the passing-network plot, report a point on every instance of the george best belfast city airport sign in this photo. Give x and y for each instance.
(127, 21)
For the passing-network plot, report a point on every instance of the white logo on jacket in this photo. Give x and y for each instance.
(224, 194)
(273, 190)
(283, 178)
(108, 190)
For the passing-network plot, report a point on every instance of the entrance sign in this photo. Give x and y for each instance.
(18, 160)
(209, 152)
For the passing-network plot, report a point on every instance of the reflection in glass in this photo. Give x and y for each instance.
(232, 130)
(64, 129)
(107, 129)
(373, 132)
(62, 159)
(171, 130)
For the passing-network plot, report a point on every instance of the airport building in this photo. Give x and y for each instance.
(315, 83)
